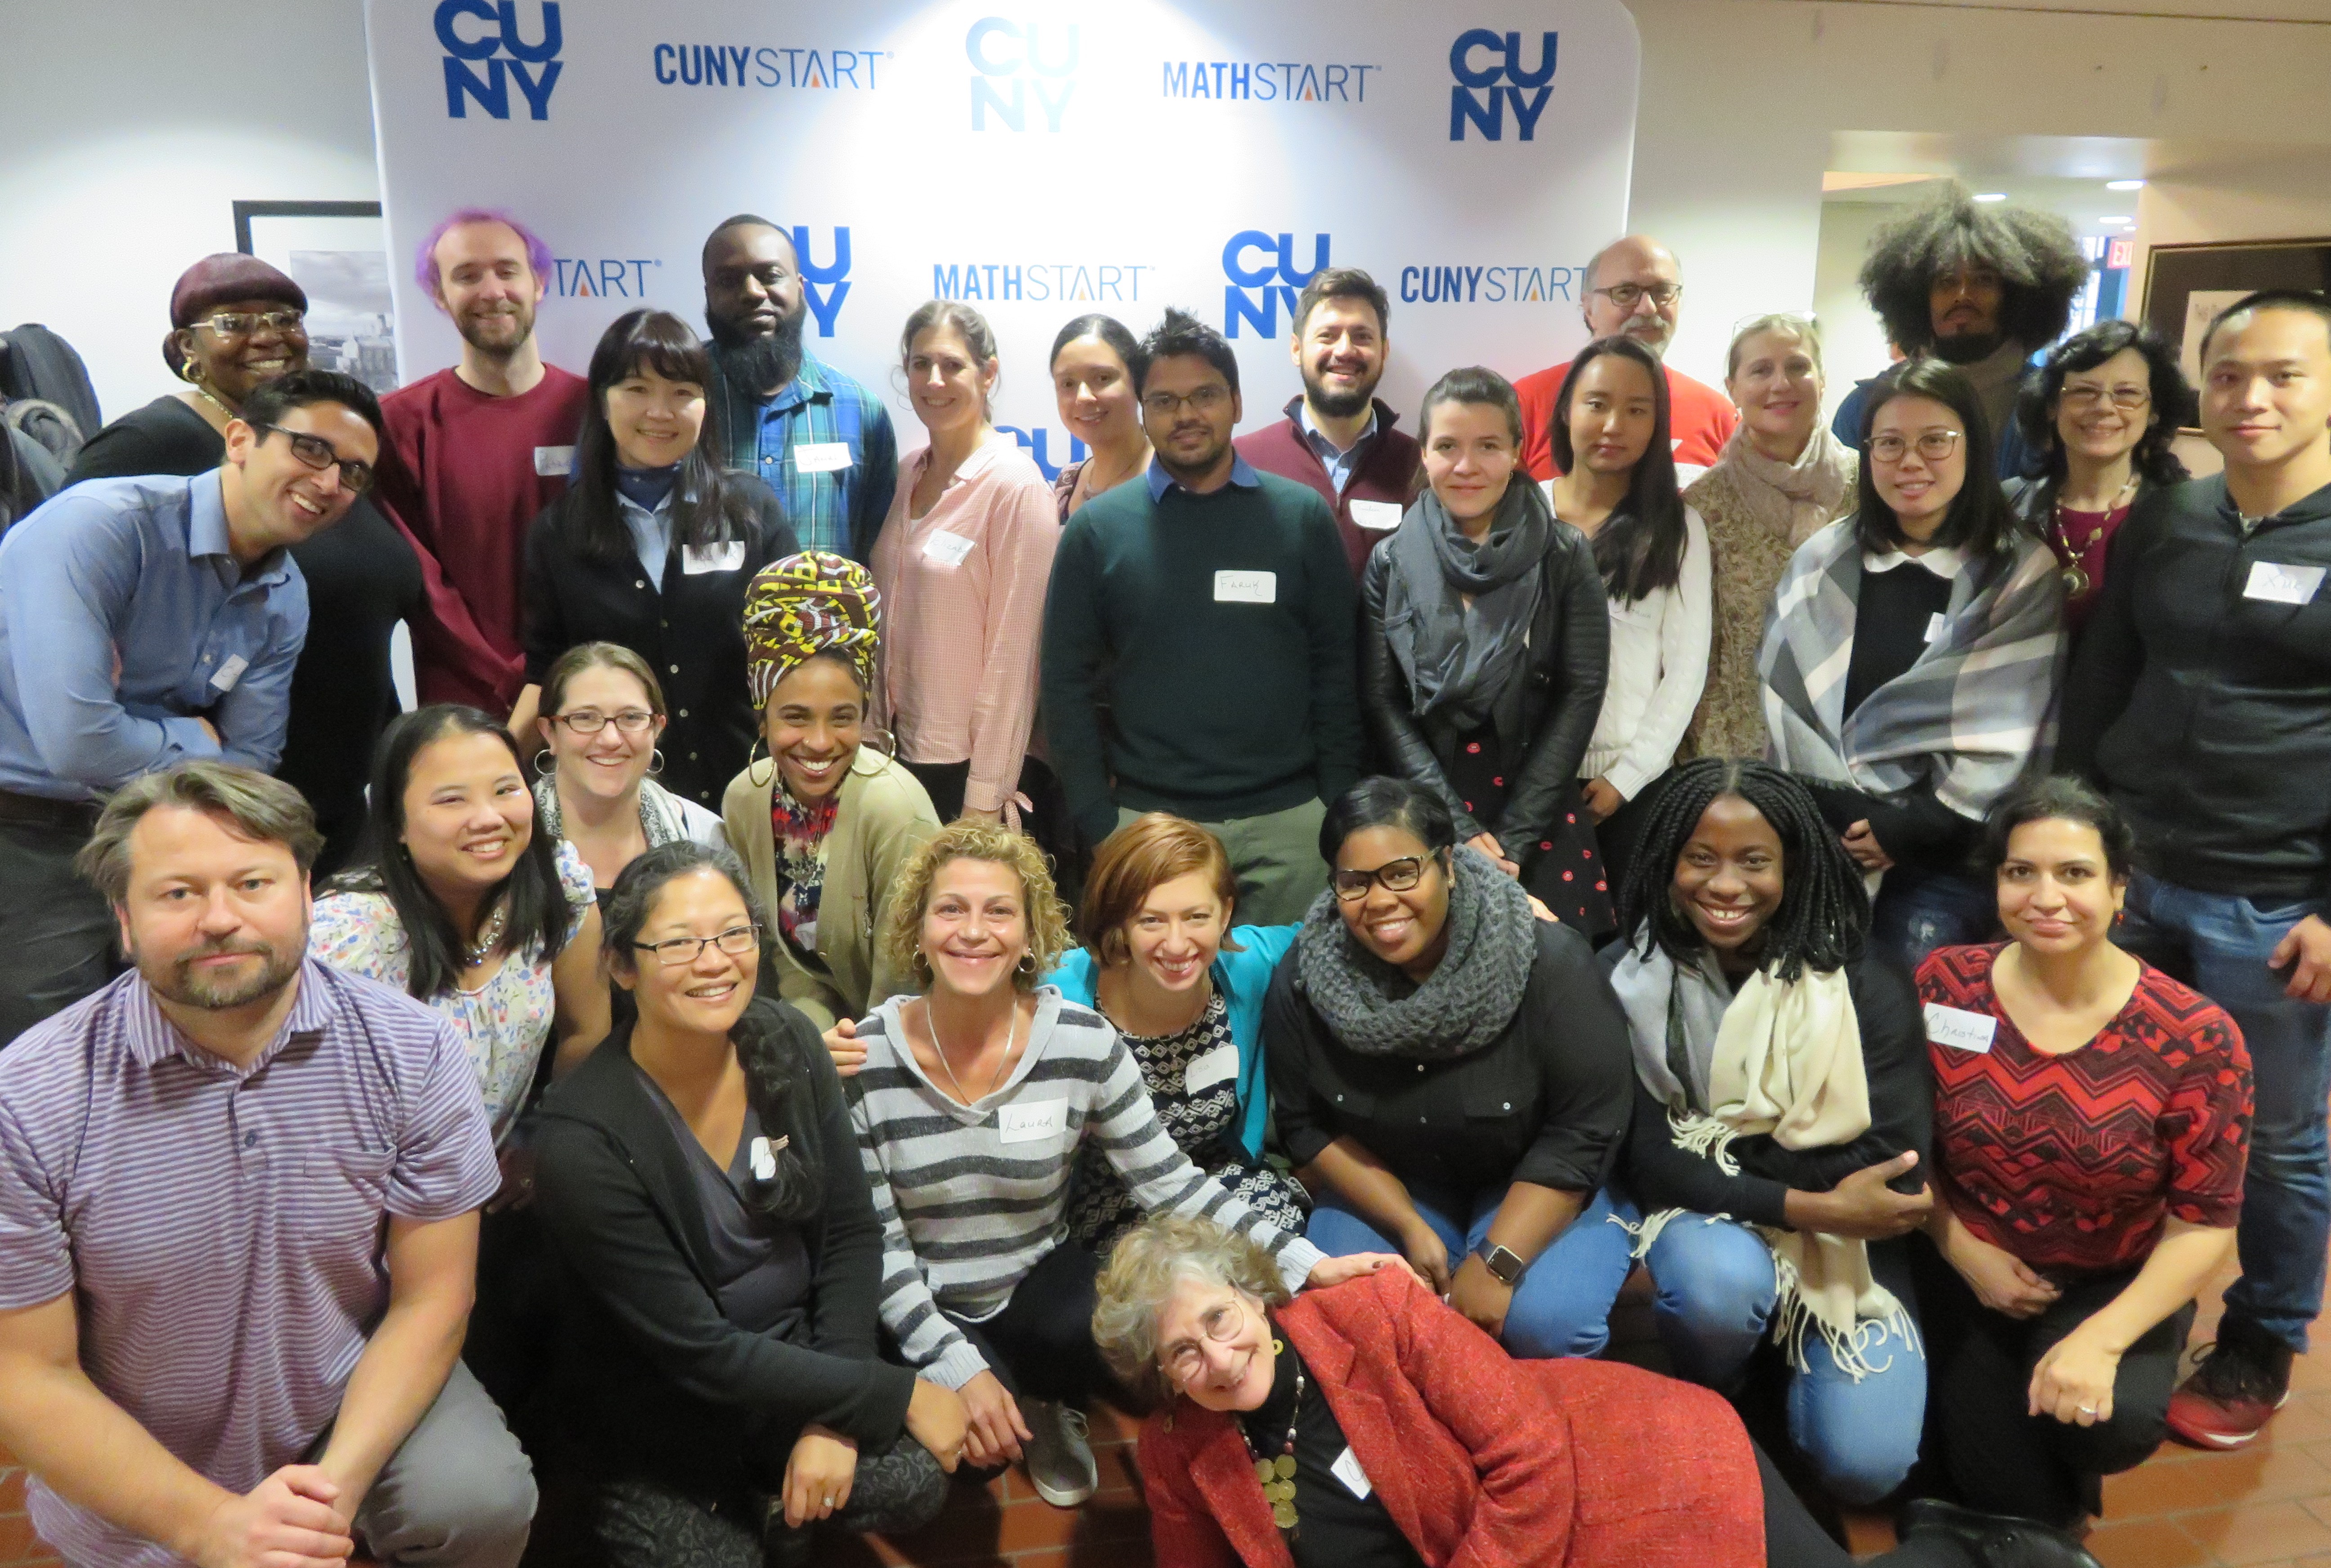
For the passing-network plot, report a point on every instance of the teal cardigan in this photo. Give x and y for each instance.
(1242, 978)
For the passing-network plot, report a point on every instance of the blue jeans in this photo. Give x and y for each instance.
(1919, 911)
(2223, 941)
(1715, 1294)
(1562, 1305)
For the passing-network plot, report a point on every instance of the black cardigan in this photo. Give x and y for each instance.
(649, 1377)
(1543, 721)
(1660, 1175)
(690, 628)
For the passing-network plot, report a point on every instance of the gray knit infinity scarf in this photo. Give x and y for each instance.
(1463, 1005)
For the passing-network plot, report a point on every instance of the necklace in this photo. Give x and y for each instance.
(1277, 1474)
(207, 395)
(1011, 1035)
(2076, 577)
(489, 936)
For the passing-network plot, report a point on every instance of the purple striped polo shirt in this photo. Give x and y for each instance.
(221, 1229)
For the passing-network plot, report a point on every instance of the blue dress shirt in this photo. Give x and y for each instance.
(135, 573)
(1242, 474)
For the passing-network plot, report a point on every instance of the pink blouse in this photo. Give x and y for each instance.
(963, 608)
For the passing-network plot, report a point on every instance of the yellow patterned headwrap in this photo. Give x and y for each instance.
(807, 604)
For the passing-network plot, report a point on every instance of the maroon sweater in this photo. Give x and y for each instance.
(1392, 471)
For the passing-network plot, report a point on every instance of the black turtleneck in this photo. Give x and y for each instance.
(1334, 1528)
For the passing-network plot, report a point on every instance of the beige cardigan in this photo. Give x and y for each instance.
(884, 817)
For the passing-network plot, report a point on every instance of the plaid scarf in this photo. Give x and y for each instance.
(1968, 717)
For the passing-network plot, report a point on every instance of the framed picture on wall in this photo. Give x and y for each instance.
(2186, 287)
(338, 251)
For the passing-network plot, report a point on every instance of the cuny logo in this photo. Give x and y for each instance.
(1009, 52)
(1256, 293)
(1036, 441)
(834, 277)
(483, 66)
(1483, 90)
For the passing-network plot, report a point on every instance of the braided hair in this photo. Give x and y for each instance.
(1824, 910)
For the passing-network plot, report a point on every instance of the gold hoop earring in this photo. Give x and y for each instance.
(751, 753)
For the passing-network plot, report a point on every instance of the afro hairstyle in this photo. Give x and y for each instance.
(2034, 252)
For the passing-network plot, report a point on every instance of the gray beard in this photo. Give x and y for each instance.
(764, 363)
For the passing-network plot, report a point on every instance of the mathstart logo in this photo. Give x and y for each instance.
(1257, 289)
(1032, 61)
(1266, 80)
(1488, 67)
(487, 55)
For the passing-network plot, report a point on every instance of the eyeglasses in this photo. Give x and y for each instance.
(1627, 296)
(321, 454)
(1394, 876)
(1934, 445)
(591, 721)
(1183, 1361)
(1166, 404)
(736, 941)
(2128, 399)
(243, 324)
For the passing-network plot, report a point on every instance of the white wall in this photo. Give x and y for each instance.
(1854, 344)
(133, 126)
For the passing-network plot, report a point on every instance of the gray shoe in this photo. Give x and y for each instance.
(1058, 1456)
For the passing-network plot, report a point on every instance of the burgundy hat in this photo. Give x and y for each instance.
(226, 277)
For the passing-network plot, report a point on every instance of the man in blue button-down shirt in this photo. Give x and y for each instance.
(144, 622)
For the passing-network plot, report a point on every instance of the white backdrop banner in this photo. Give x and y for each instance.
(1038, 160)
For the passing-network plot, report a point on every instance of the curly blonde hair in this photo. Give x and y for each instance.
(910, 898)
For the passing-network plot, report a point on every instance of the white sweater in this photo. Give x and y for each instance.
(1658, 664)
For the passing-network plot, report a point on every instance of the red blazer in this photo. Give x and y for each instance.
(1482, 1461)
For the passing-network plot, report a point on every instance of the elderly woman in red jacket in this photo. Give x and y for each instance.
(1368, 1425)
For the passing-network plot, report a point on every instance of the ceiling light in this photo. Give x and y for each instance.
(2117, 220)
(2123, 185)
(1991, 195)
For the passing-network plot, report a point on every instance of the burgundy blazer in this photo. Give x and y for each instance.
(1482, 1461)
(1393, 472)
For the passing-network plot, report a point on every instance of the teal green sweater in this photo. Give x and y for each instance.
(1219, 707)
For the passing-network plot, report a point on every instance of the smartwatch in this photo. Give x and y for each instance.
(1505, 1265)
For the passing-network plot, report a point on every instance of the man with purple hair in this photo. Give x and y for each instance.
(475, 450)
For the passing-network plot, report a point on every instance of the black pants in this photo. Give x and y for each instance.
(1994, 1454)
(1040, 1346)
(1619, 833)
(56, 934)
(1793, 1540)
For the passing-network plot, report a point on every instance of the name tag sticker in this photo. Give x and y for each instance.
(726, 557)
(2279, 585)
(1029, 1124)
(1347, 1469)
(1219, 1065)
(1246, 587)
(1375, 515)
(945, 550)
(820, 457)
(764, 1157)
(1959, 1028)
(553, 462)
(230, 672)
(1934, 626)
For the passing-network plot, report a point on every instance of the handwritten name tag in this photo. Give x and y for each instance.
(1959, 1028)
(230, 671)
(820, 457)
(764, 1157)
(1246, 587)
(945, 550)
(1028, 1124)
(1375, 515)
(1934, 626)
(2280, 585)
(1347, 1470)
(697, 559)
(1219, 1065)
(553, 462)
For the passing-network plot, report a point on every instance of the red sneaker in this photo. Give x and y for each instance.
(2236, 1387)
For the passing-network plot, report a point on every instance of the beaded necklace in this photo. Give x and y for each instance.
(1277, 1474)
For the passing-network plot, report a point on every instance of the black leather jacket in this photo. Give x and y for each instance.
(1543, 721)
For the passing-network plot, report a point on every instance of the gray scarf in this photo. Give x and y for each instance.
(1463, 1006)
(1673, 1013)
(1458, 657)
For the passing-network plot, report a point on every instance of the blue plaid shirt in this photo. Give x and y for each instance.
(840, 511)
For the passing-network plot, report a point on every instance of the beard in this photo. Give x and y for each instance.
(176, 979)
(764, 361)
(1335, 404)
(1967, 347)
(497, 332)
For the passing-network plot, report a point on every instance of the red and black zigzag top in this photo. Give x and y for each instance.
(2073, 1161)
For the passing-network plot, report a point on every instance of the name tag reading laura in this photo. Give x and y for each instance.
(230, 671)
(1959, 1028)
(945, 550)
(726, 557)
(1347, 1470)
(820, 457)
(1028, 1124)
(2279, 585)
(1208, 1069)
(552, 462)
(1377, 517)
(1246, 587)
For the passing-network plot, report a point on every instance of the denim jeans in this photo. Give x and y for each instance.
(2223, 941)
(1919, 911)
(1715, 1294)
(1562, 1305)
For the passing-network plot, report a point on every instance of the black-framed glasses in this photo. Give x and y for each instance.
(1166, 404)
(243, 323)
(1627, 296)
(1934, 445)
(321, 455)
(1183, 1361)
(591, 721)
(736, 941)
(1394, 876)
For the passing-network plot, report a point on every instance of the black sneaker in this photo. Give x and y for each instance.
(2239, 1383)
(1995, 1540)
